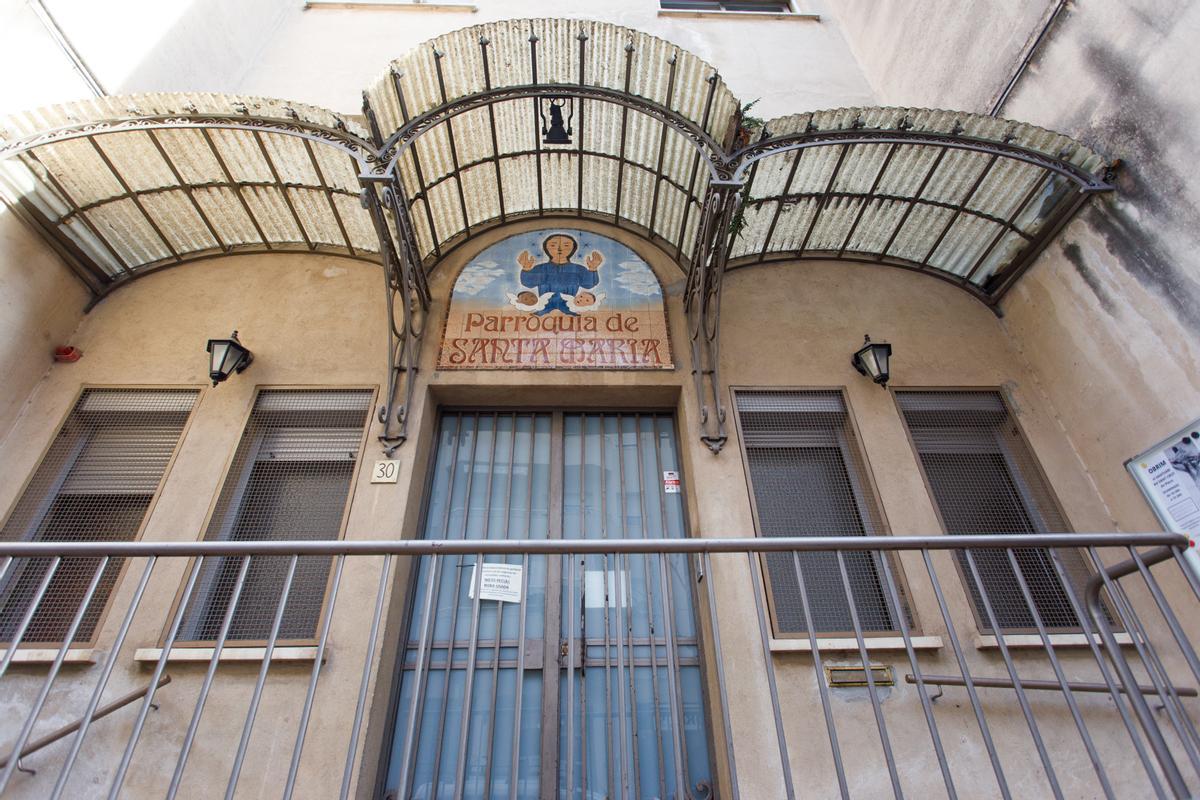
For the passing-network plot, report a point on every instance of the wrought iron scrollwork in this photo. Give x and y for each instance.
(702, 304)
(407, 304)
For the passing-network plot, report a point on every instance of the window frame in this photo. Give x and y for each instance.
(248, 412)
(792, 12)
(863, 504)
(47, 502)
(1019, 481)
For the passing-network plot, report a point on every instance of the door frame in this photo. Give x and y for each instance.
(551, 665)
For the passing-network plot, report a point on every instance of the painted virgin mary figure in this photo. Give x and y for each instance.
(560, 275)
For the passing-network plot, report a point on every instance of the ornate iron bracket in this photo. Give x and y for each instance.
(407, 299)
(702, 304)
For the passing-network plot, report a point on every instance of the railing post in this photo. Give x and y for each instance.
(1162, 752)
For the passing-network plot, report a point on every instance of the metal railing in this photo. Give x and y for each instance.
(1111, 713)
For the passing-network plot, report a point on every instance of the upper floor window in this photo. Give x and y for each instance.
(808, 478)
(95, 483)
(984, 479)
(290, 479)
(761, 6)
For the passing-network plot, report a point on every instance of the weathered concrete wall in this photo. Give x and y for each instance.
(318, 321)
(41, 304)
(1112, 309)
(309, 321)
(327, 56)
(940, 53)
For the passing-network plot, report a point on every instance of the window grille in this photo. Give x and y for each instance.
(984, 479)
(94, 484)
(809, 478)
(761, 6)
(290, 479)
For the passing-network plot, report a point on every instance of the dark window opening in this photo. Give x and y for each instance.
(809, 478)
(984, 480)
(95, 483)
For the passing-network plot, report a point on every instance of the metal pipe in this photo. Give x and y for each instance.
(984, 731)
(872, 691)
(1026, 60)
(256, 697)
(464, 724)
(1185, 647)
(420, 674)
(650, 603)
(519, 680)
(456, 580)
(360, 706)
(119, 778)
(926, 706)
(51, 25)
(30, 610)
(1036, 685)
(745, 544)
(186, 748)
(1022, 700)
(1060, 676)
(311, 694)
(822, 689)
(569, 563)
(1113, 690)
(31, 719)
(1157, 673)
(764, 636)
(100, 713)
(91, 713)
(1162, 752)
(719, 662)
(497, 638)
(668, 603)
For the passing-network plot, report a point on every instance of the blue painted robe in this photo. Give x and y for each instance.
(561, 279)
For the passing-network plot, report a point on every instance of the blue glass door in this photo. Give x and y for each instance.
(586, 682)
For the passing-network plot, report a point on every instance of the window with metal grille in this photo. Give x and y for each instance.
(290, 480)
(808, 478)
(94, 484)
(984, 479)
(762, 6)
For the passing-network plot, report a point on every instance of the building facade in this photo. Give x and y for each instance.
(560, 465)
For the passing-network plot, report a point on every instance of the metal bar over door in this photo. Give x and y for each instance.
(591, 661)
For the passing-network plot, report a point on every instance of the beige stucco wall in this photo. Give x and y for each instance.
(1110, 310)
(317, 320)
(41, 303)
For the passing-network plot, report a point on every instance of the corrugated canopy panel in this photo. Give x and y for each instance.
(140, 181)
(488, 164)
(962, 196)
(122, 185)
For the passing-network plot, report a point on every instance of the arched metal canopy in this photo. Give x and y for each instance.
(125, 185)
(452, 146)
(459, 116)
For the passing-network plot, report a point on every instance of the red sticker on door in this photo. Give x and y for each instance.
(670, 482)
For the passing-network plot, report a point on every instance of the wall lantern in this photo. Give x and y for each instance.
(227, 356)
(872, 360)
(557, 132)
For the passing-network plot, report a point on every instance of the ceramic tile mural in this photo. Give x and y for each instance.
(556, 299)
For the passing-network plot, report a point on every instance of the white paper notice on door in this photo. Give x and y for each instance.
(497, 582)
(670, 482)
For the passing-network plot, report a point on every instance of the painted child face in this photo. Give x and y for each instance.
(585, 299)
(560, 248)
(527, 298)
